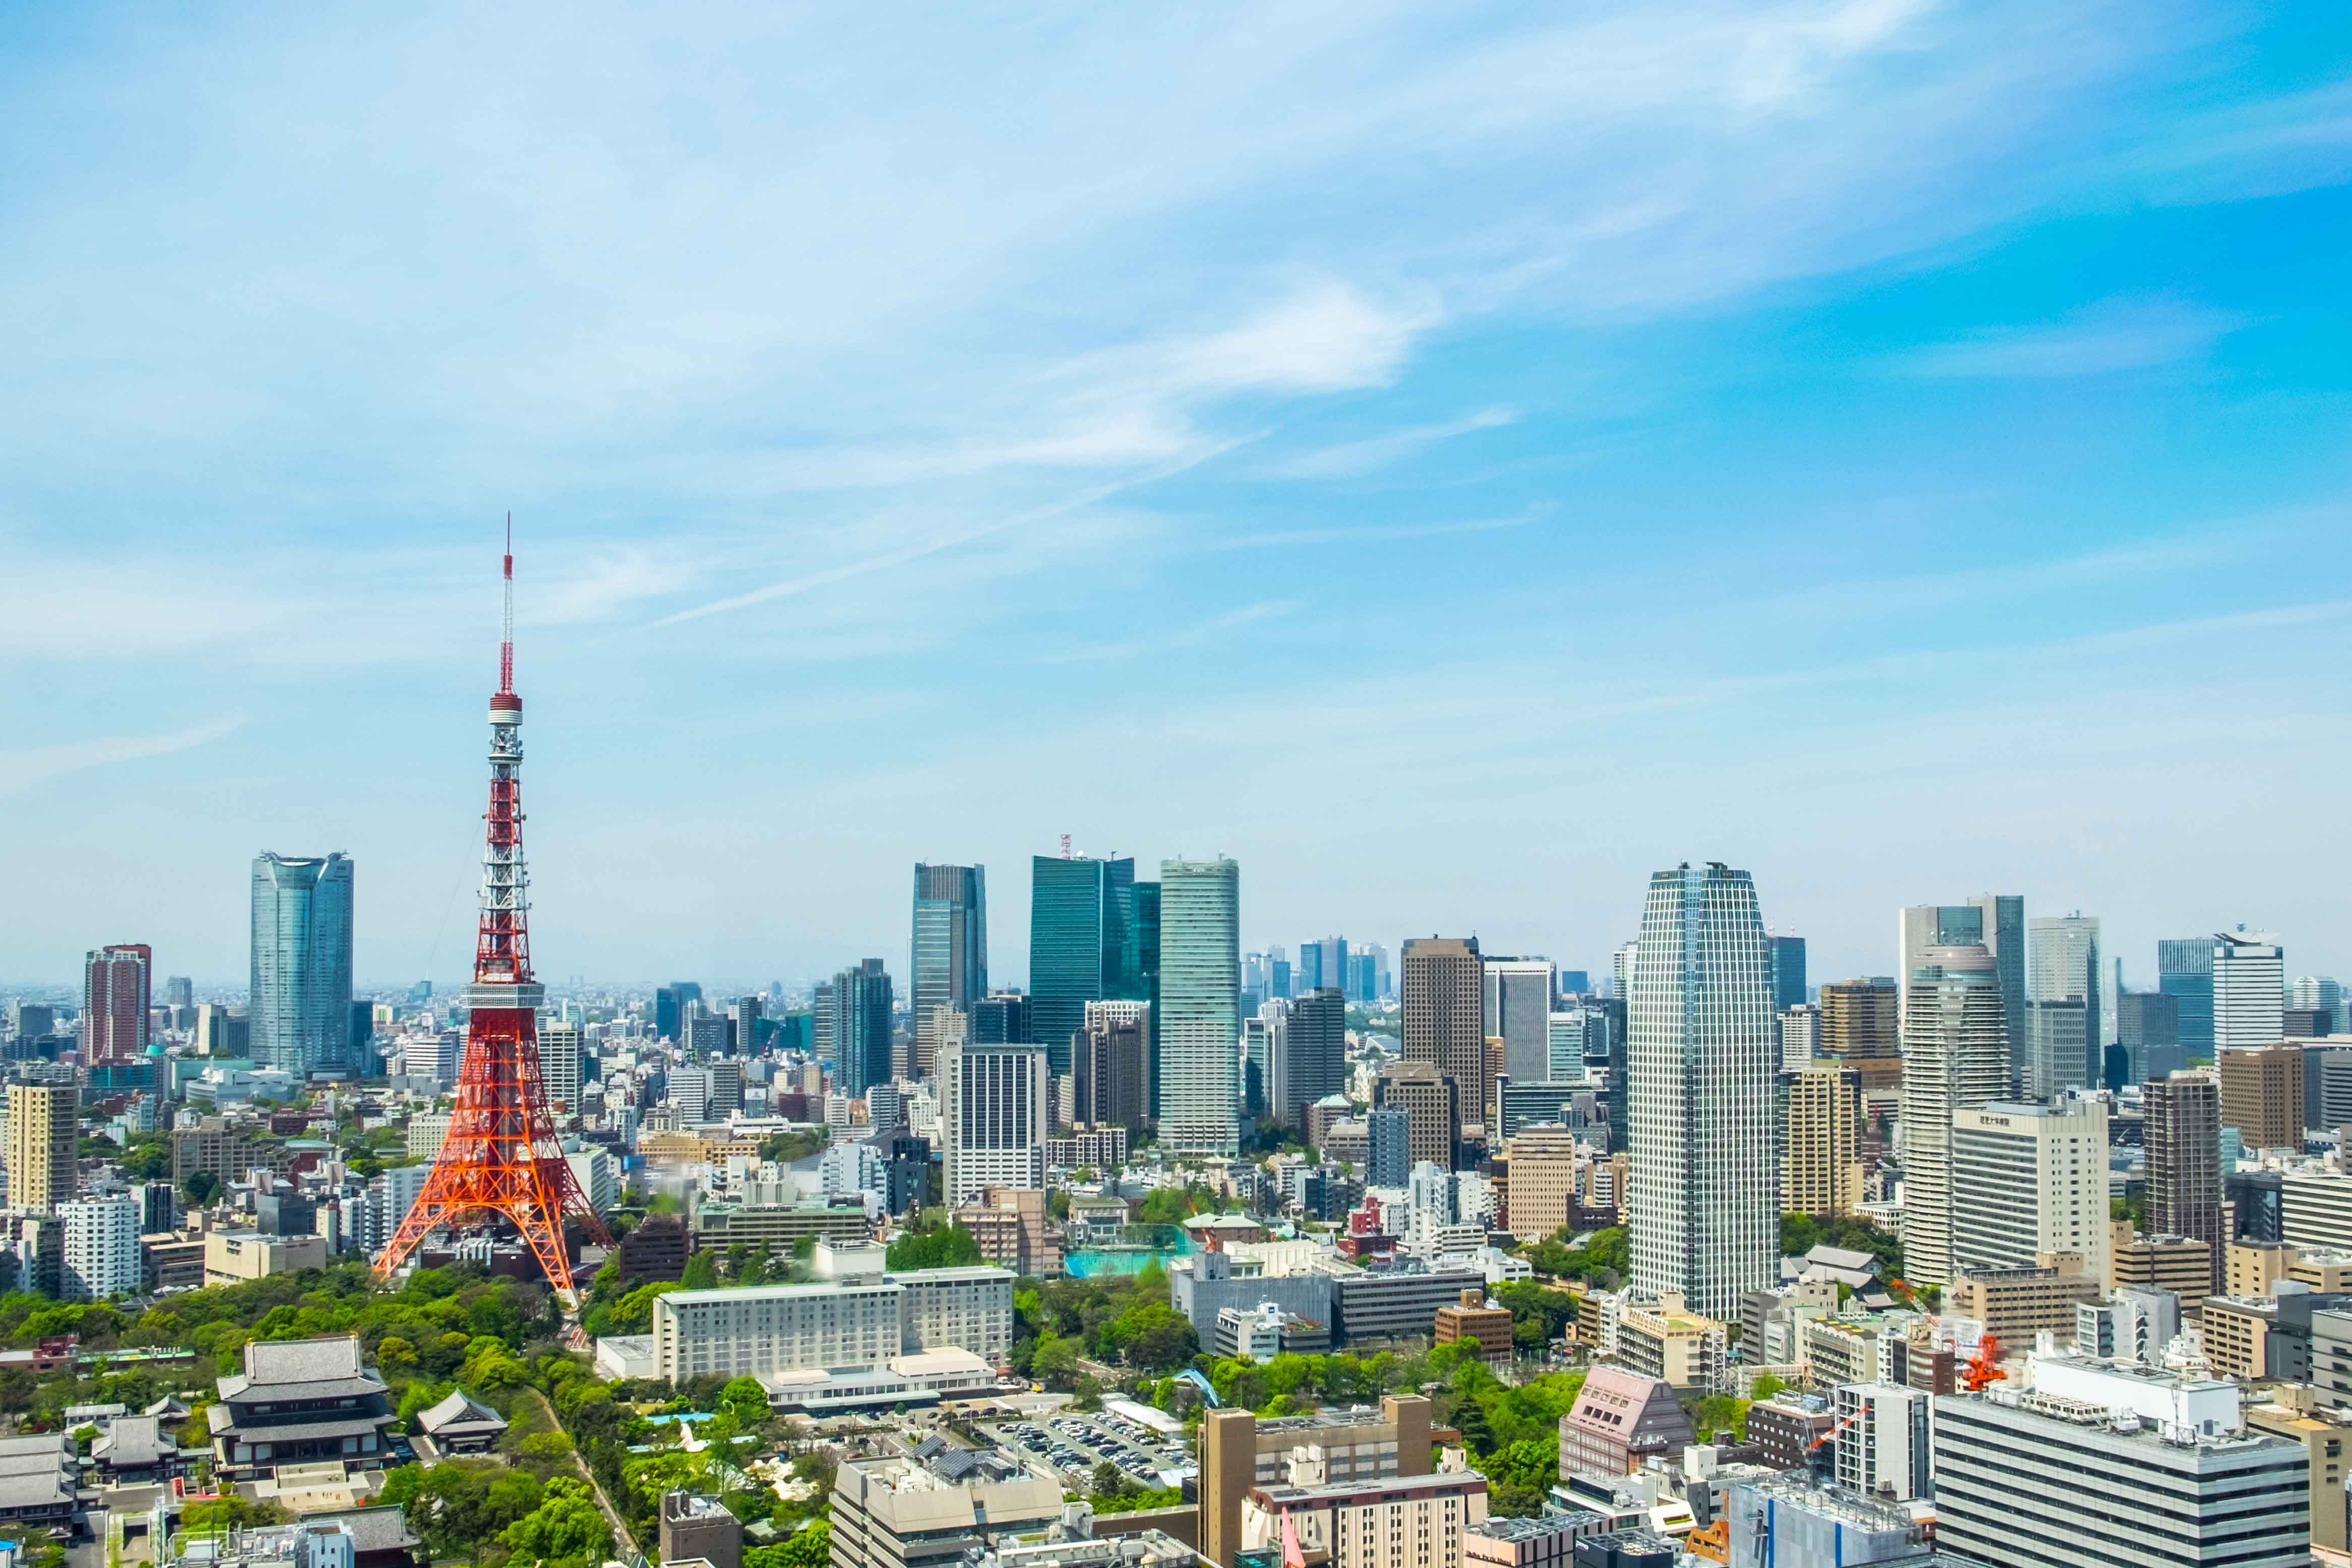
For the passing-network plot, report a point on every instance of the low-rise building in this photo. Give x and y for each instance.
(238, 1257)
(300, 1402)
(1788, 1427)
(2096, 1466)
(2181, 1263)
(1546, 1542)
(1787, 1522)
(700, 1527)
(927, 1510)
(1403, 1521)
(1472, 1320)
(1013, 1230)
(458, 1425)
(2325, 1433)
(1666, 1340)
(1620, 1419)
(38, 1479)
(2015, 1304)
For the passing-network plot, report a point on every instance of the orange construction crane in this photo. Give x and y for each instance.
(1983, 1370)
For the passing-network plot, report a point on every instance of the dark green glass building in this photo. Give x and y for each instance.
(1083, 945)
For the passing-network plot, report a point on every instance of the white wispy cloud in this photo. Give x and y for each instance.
(2121, 334)
(1196, 635)
(25, 767)
(1348, 458)
(1366, 533)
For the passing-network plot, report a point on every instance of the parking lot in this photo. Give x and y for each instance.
(1072, 1443)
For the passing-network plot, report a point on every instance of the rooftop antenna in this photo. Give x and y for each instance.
(505, 638)
(1065, 846)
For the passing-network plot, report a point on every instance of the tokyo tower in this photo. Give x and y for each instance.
(501, 1159)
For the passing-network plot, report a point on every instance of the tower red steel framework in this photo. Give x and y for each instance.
(500, 1158)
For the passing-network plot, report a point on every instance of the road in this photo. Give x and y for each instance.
(612, 1515)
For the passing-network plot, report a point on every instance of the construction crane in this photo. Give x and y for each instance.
(1983, 1370)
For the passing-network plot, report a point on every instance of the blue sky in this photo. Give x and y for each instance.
(1455, 461)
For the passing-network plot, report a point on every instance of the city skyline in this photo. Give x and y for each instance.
(1285, 414)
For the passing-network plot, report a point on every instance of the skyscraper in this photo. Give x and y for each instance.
(1955, 1056)
(1109, 1063)
(2057, 1047)
(1432, 1106)
(2183, 1133)
(1444, 1018)
(1862, 1029)
(2147, 1026)
(1705, 1216)
(116, 983)
(2249, 989)
(671, 1003)
(2065, 964)
(1199, 953)
(559, 1066)
(2262, 1094)
(1002, 1018)
(1995, 921)
(1788, 965)
(1147, 957)
(992, 1117)
(2031, 1179)
(1388, 1137)
(1516, 1005)
(2184, 971)
(43, 1129)
(947, 958)
(861, 1027)
(1323, 963)
(1313, 1060)
(302, 972)
(744, 1014)
(1082, 945)
(1821, 1169)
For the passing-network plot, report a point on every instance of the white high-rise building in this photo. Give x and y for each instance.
(2249, 989)
(1200, 957)
(1705, 1214)
(1801, 1036)
(690, 1093)
(2063, 963)
(2031, 1179)
(993, 1110)
(1955, 1056)
(559, 1066)
(102, 1248)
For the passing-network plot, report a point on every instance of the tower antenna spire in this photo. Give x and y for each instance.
(505, 638)
(501, 1161)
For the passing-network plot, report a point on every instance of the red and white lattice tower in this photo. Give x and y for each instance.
(500, 1158)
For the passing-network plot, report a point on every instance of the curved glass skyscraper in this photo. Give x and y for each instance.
(301, 978)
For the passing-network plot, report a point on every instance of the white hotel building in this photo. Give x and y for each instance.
(951, 1327)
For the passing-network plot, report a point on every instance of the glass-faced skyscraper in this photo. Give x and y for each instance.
(2184, 970)
(1146, 954)
(1788, 955)
(1083, 945)
(860, 1007)
(301, 1008)
(2065, 963)
(1956, 1056)
(1199, 993)
(948, 959)
(1704, 1218)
